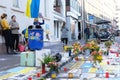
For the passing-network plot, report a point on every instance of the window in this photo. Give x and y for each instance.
(57, 6)
(16, 3)
(57, 3)
(67, 2)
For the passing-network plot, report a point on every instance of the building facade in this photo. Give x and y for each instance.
(76, 13)
(52, 10)
(118, 15)
(98, 10)
(15, 7)
(73, 13)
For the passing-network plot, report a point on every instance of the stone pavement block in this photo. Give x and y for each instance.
(100, 71)
(86, 65)
(65, 75)
(88, 76)
(4, 73)
(26, 70)
(16, 69)
(99, 79)
(85, 70)
(19, 77)
(77, 65)
(92, 70)
(6, 76)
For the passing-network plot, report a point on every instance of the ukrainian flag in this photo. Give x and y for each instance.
(32, 8)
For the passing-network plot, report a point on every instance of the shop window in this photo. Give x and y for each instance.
(16, 3)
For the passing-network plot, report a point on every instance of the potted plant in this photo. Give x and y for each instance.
(47, 59)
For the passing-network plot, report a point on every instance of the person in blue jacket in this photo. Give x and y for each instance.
(37, 23)
(87, 32)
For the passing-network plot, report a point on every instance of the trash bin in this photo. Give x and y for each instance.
(35, 39)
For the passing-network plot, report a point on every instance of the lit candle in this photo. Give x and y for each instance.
(108, 62)
(53, 75)
(117, 54)
(107, 75)
(65, 69)
(38, 75)
(30, 78)
(70, 75)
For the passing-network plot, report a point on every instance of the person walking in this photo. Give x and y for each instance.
(15, 32)
(6, 33)
(64, 35)
(87, 33)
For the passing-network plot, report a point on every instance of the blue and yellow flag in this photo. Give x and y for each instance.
(32, 8)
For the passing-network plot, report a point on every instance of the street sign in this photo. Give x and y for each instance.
(91, 19)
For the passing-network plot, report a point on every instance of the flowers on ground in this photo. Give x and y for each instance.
(92, 45)
(76, 47)
(53, 66)
(67, 48)
(97, 56)
(108, 44)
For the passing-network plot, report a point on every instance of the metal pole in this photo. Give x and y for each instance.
(83, 17)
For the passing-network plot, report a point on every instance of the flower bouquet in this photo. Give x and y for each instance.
(53, 66)
(92, 46)
(108, 44)
(97, 56)
(76, 47)
(67, 48)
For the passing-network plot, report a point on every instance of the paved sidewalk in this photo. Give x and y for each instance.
(58, 46)
(10, 61)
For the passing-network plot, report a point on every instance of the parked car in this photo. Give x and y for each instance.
(105, 35)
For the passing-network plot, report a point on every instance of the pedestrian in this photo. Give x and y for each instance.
(25, 33)
(79, 35)
(87, 32)
(6, 33)
(47, 34)
(37, 23)
(64, 35)
(15, 32)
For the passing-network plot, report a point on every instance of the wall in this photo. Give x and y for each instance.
(101, 8)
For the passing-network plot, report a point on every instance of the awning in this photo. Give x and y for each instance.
(103, 22)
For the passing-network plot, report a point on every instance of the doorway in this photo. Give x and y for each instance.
(79, 30)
